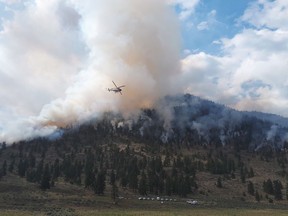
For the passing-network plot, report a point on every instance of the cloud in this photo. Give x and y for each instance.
(210, 21)
(187, 7)
(266, 13)
(203, 26)
(10, 1)
(251, 72)
(58, 58)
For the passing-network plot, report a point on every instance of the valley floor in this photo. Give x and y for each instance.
(18, 197)
(167, 212)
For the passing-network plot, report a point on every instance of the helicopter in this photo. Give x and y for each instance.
(117, 89)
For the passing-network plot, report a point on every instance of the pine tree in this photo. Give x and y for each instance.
(56, 169)
(112, 177)
(89, 174)
(287, 190)
(4, 168)
(167, 161)
(133, 181)
(160, 184)
(76, 174)
(11, 165)
(158, 164)
(277, 190)
(39, 171)
(22, 168)
(268, 187)
(114, 191)
(182, 186)
(99, 185)
(142, 188)
(151, 181)
(31, 175)
(257, 196)
(251, 173)
(219, 183)
(168, 186)
(45, 180)
(32, 160)
(250, 188)
(1, 175)
(242, 175)
(124, 181)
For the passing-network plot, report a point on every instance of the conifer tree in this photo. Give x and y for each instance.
(112, 177)
(251, 173)
(114, 191)
(250, 188)
(277, 190)
(39, 171)
(22, 168)
(287, 190)
(257, 196)
(168, 186)
(242, 175)
(268, 187)
(133, 181)
(56, 169)
(11, 165)
(45, 180)
(219, 182)
(89, 174)
(124, 181)
(99, 184)
(142, 188)
(4, 168)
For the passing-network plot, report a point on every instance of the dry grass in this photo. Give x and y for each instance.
(18, 197)
(194, 212)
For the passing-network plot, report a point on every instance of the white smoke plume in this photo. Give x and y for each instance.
(272, 132)
(59, 57)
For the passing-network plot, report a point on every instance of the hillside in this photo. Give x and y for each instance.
(185, 148)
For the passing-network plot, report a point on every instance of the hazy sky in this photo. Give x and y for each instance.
(58, 57)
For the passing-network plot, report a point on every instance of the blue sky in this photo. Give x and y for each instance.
(62, 55)
(219, 18)
(237, 52)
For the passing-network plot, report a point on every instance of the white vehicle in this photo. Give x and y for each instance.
(192, 202)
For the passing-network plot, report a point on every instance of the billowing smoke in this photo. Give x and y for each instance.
(60, 56)
(188, 120)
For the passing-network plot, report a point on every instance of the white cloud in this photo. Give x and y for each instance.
(210, 21)
(187, 7)
(10, 1)
(267, 13)
(252, 72)
(203, 26)
(212, 13)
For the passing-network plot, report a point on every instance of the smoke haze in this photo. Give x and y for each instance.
(59, 57)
